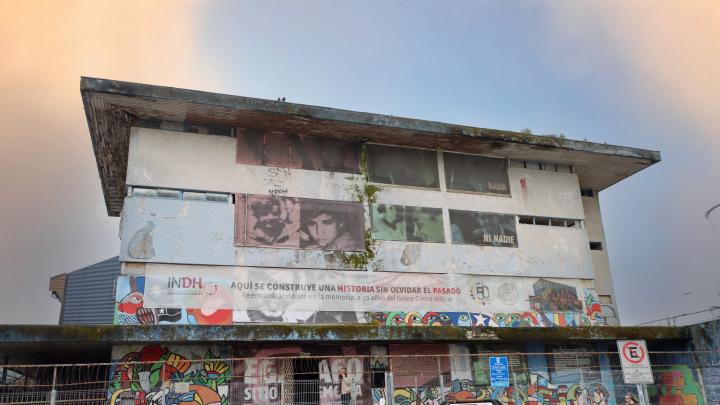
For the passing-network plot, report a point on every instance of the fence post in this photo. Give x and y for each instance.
(516, 394)
(577, 367)
(53, 392)
(389, 388)
(440, 378)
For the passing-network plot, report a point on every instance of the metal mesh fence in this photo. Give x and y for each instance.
(562, 376)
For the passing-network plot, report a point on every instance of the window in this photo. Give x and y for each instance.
(403, 166)
(586, 192)
(559, 222)
(596, 246)
(297, 151)
(541, 166)
(174, 194)
(478, 174)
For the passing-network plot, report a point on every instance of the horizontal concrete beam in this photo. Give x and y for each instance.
(187, 334)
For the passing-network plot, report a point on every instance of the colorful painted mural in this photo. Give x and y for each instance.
(157, 375)
(676, 385)
(130, 309)
(500, 319)
(538, 391)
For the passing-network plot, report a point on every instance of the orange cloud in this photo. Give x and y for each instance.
(671, 49)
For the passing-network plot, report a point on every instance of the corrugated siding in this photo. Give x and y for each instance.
(90, 294)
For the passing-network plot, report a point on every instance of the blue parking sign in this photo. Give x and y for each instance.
(499, 373)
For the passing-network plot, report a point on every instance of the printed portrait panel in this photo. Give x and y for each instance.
(483, 229)
(424, 224)
(272, 221)
(476, 173)
(331, 225)
(388, 222)
(403, 166)
(297, 151)
(404, 223)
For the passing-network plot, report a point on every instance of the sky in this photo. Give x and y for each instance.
(623, 72)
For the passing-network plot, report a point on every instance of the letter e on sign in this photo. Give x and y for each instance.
(635, 362)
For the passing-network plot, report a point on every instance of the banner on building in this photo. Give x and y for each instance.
(212, 288)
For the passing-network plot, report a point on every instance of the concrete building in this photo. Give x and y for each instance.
(292, 196)
(264, 215)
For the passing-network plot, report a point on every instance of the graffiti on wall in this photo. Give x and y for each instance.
(157, 375)
(593, 309)
(499, 319)
(552, 296)
(331, 382)
(676, 385)
(538, 391)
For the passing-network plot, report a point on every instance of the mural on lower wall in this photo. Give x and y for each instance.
(130, 309)
(538, 391)
(157, 375)
(676, 385)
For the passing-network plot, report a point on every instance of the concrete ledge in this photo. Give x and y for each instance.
(128, 334)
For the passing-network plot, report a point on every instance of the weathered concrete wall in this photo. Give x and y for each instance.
(600, 258)
(201, 162)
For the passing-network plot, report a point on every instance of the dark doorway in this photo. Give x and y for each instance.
(306, 378)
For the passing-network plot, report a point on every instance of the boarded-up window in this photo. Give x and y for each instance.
(478, 174)
(484, 229)
(403, 166)
(299, 223)
(297, 151)
(404, 223)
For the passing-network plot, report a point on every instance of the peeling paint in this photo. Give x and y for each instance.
(141, 244)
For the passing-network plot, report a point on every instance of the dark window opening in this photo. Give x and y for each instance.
(586, 192)
(526, 220)
(306, 381)
(542, 221)
(403, 166)
(596, 246)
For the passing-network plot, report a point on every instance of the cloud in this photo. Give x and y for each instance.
(53, 218)
(669, 50)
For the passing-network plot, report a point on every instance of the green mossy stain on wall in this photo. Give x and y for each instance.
(366, 194)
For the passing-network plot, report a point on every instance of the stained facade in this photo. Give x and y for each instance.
(244, 211)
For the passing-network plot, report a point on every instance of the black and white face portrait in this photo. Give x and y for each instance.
(331, 225)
